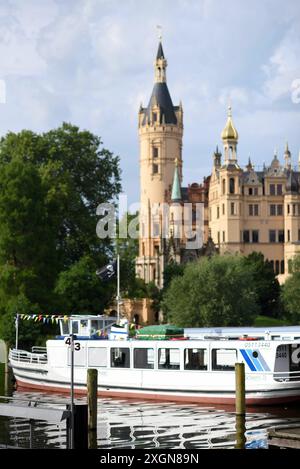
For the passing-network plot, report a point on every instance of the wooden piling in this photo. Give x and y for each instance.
(92, 387)
(240, 399)
(240, 427)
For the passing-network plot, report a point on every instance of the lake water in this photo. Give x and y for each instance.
(142, 424)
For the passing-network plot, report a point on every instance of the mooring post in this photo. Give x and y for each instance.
(240, 427)
(92, 387)
(240, 405)
(80, 426)
(240, 400)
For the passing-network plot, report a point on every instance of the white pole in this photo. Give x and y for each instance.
(17, 331)
(118, 288)
(72, 384)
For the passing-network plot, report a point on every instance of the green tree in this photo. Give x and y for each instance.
(50, 187)
(77, 175)
(171, 271)
(82, 291)
(266, 284)
(291, 292)
(212, 292)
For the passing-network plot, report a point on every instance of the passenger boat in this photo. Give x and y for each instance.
(198, 367)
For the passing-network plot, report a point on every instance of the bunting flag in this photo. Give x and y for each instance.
(45, 318)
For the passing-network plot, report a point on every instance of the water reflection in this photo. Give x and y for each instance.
(142, 424)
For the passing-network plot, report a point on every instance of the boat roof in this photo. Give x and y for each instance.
(250, 331)
(84, 317)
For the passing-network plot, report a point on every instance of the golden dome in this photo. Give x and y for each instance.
(229, 132)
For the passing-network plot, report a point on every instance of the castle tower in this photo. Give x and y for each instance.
(230, 139)
(160, 135)
(225, 221)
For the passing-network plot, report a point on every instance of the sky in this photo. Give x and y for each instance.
(90, 62)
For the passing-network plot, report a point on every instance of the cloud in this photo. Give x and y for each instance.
(284, 66)
(90, 62)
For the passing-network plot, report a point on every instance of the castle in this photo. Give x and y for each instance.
(243, 210)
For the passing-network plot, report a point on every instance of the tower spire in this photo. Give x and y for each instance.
(176, 187)
(287, 157)
(160, 65)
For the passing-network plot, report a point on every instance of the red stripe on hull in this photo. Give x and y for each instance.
(160, 397)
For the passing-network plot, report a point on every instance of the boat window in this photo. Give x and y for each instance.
(65, 328)
(97, 356)
(75, 327)
(143, 358)
(120, 357)
(84, 330)
(224, 359)
(169, 358)
(195, 359)
(287, 363)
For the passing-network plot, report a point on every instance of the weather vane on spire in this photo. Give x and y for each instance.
(229, 106)
(159, 29)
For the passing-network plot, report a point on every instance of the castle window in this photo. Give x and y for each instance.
(155, 168)
(223, 236)
(218, 212)
(272, 236)
(279, 189)
(255, 236)
(218, 237)
(155, 152)
(223, 186)
(288, 235)
(277, 271)
(279, 210)
(298, 235)
(294, 209)
(155, 229)
(288, 209)
(232, 208)
(253, 210)
(246, 236)
(282, 267)
(272, 189)
(223, 209)
(255, 191)
(250, 191)
(272, 210)
(154, 116)
(281, 236)
(231, 186)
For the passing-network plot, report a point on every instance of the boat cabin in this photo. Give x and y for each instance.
(86, 327)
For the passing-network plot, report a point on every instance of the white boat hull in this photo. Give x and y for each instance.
(39, 377)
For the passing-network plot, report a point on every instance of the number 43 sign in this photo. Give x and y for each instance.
(76, 344)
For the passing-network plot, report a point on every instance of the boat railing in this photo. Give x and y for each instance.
(286, 376)
(36, 349)
(28, 357)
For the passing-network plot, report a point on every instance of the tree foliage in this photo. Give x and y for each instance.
(212, 292)
(50, 187)
(291, 292)
(266, 284)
